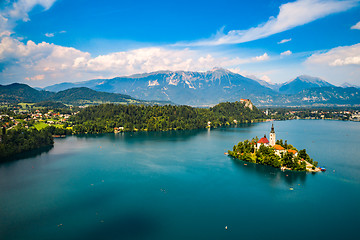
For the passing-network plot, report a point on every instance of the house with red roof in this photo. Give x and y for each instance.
(278, 149)
(294, 152)
(263, 141)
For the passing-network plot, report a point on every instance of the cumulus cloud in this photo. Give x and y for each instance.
(285, 41)
(340, 56)
(46, 61)
(286, 53)
(337, 64)
(291, 15)
(18, 10)
(356, 26)
(263, 57)
(32, 53)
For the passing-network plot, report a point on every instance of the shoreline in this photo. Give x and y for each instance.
(283, 169)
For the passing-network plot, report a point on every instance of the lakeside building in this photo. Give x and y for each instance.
(248, 103)
(272, 143)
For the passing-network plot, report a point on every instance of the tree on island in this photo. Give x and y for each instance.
(266, 155)
(278, 154)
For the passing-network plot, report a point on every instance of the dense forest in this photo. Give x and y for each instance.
(266, 155)
(15, 141)
(104, 118)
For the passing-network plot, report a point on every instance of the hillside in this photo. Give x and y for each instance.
(85, 95)
(16, 93)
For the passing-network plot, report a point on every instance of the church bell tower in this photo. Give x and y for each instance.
(272, 136)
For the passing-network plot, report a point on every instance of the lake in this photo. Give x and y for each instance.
(180, 185)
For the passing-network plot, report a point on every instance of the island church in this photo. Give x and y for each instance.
(265, 141)
(278, 148)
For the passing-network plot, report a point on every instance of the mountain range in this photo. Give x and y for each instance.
(189, 88)
(219, 85)
(181, 87)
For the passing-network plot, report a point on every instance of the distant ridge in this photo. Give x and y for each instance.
(321, 96)
(301, 83)
(346, 85)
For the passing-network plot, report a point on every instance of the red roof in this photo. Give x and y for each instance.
(292, 151)
(278, 147)
(263, 140)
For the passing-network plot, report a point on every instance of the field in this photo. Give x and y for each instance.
(40, 125)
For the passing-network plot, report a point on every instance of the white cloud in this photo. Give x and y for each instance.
(53, 34)
(263, 57)
(285, 41)
(49, 34)
(291, 15)
(286, 53)
(340, 56)
(336, 65)
(18, 10)
(356, 26)
(58, 63)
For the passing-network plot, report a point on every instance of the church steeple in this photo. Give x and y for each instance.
(272, 129)
(272, 136)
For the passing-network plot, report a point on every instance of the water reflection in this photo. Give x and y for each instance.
(28, 154)
(275, 175)
(178, 136)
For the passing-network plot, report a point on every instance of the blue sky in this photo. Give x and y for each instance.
(43, 42)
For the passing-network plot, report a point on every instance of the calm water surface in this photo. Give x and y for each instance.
(180, 185)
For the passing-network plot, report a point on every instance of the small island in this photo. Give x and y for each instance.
(275, 153)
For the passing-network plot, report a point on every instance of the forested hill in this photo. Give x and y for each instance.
(104, 118)
(16, 93)
(87, 95)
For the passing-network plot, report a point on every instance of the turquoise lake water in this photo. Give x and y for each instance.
(180, 185)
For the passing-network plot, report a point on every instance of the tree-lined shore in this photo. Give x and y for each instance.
(30, 130)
